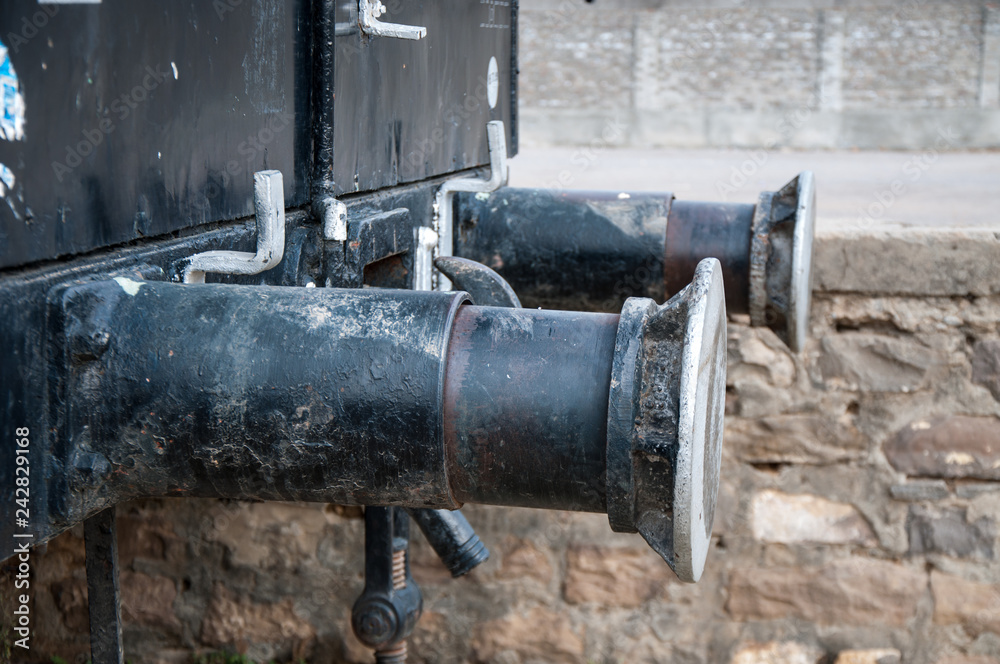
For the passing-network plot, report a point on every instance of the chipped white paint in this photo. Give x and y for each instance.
(335, 220)
(482, 196)
(11, 100)
(128, 285)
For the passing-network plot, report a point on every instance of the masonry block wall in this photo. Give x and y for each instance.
(857, 521)
(796, 73)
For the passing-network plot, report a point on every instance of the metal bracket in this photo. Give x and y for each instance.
(499, 173)
(334, 220)
(423, 262)
(103, 591)
(487, 288)
(390, 606)
(368, 13)
(269, 207)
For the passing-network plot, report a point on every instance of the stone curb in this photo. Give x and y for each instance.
(908, 261)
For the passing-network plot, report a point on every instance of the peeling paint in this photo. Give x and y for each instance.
(6, 180)
(128, 285)
(11, 100)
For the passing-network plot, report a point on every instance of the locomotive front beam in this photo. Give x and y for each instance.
(389, 397)
(590, 250)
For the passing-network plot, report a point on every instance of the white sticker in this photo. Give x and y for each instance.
(492, 83)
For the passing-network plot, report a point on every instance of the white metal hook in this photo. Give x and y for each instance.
(368, 13)
(269, 208)
(499, 172)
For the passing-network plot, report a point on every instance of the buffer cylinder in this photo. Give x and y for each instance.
(389, 397)
(590, 250)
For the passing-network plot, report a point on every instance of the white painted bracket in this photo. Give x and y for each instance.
(269, 207)
(368, 15)
(334, 220)
(423, 261)
(499, 172)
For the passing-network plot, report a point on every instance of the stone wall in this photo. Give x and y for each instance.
(798, 73)
(857, 521)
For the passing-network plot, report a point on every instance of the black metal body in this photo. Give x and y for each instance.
(353, 396)
(349, 396)
(258, 387)
(215, 390)
(570, 250)
(376, 239)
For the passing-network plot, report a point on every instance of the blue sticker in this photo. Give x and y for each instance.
(6, 180)
(11, 100)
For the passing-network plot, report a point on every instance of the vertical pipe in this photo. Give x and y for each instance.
(324, 50)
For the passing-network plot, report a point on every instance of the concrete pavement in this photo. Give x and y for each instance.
(863, 190)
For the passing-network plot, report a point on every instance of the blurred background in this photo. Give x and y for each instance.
(857, 521)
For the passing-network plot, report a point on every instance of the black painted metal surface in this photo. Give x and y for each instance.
(452, 538)
(407, 110)
(571, 250)
(143, 118)
(590, 250)
(374, 233)
(324, 395)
